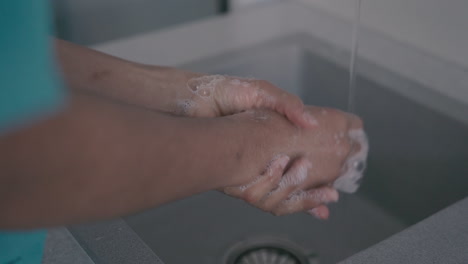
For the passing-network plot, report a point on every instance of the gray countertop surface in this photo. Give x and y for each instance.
(441, 238)
(62, 247)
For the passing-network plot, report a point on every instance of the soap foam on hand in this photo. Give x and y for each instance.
(204, 86)
(185, 107)
(354, 167)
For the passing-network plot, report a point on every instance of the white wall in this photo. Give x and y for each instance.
(92, 21)
(439, 27)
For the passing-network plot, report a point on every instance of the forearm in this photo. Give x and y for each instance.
(98, 160)
(121, 80)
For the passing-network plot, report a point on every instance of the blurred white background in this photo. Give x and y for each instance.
(435, 26)
(438, 27)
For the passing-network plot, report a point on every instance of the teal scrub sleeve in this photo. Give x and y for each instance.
(30, 90)
(30, 87)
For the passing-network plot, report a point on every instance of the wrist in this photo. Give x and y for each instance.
(260, 136)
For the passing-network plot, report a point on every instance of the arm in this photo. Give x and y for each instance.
(112, 77)
(165, 88)
(99, 159)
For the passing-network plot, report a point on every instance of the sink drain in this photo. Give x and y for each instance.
(267, 255)
(268, 250)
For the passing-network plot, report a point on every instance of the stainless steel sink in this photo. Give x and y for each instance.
(417, 165)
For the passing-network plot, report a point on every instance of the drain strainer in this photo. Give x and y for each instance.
(268, 250)
(267, 255)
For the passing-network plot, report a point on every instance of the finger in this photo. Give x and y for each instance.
(320, 212)
(291, 180)
(306, 200)
(354, 165)
(287, 104)
(356, 135)
(269, 179)
(240, 191)
(268, 182)
(351, 138)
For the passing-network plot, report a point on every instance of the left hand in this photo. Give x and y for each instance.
(315, 159)
(268, 191)
(196, 95)
(172, 90)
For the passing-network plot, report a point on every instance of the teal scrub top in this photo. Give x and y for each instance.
(30, 90)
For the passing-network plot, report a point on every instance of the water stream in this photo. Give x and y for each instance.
(354, 54)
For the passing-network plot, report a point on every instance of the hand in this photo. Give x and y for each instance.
(170, 89)
(190, 94)
(196, 95)
(268, 193)
(326, 153)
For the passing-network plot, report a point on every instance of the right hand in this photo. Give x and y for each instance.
(325, 146)
(316, 157)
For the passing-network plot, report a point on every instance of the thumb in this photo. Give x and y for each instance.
(287, 104)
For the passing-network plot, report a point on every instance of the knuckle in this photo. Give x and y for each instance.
(293, 102)
(277, 212)
(250, 197)
(341, 118)
(292, 98)
(269, 206)
(230, 191)
(310, 204)
(297, 101)
(299, 206)
(303, 162)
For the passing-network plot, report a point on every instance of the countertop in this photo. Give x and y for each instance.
(441, 238)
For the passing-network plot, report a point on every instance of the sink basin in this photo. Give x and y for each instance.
(417, 164)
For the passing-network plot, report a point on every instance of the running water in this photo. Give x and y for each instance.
(354, 53)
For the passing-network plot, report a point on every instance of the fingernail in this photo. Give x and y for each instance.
(310, 119)
(332, 195)
(283, 161)
(326, 195)
(316, 213)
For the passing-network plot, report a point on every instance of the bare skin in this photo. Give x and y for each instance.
(169, 90)
(98, 159)
(101, 158)
(317, 159)
(162, 88)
